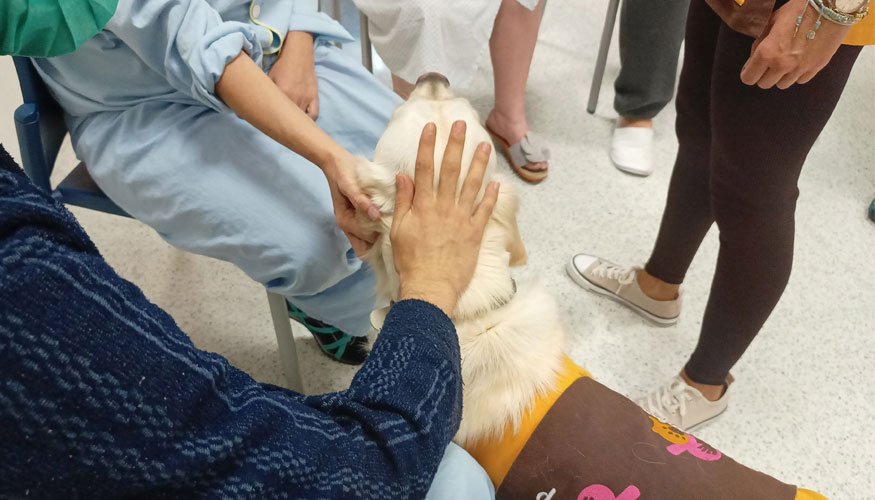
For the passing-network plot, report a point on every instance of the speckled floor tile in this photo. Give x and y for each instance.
(804, 400)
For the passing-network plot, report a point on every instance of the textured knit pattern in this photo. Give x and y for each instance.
(102, 396)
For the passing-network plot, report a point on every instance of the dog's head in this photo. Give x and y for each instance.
(433, 101)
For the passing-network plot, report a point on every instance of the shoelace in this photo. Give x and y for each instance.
(624, 275)
(669, 399)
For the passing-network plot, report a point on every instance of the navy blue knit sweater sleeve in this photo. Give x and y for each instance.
(102, 396)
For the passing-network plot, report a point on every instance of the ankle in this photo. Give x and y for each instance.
(655, 288)
(511, 125)
(624, 121)
(402, 87)
(711, 392)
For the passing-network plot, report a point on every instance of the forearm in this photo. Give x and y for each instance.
(245, 89)
(418, 351)
(406, 401)
(152, 399)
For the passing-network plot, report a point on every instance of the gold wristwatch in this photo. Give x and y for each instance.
(850, 8)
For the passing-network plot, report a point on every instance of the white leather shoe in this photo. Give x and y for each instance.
(632, 150)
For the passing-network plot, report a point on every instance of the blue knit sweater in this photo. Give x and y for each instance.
(101, 394)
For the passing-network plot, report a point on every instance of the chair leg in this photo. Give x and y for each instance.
(336, 13)
(601, 60)
(367, 59)
(286, 340)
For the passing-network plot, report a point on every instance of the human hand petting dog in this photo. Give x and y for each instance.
(259, 100)
(436, 235)
(348, 199)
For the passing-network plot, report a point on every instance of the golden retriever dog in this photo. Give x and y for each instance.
(539, 424)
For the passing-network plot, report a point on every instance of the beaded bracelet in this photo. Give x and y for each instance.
(811, 34)
(831, 15)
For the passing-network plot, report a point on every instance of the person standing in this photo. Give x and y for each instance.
(650, 40)
(759, 82)
(414, 37)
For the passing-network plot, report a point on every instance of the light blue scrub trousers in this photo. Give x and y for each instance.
(212, 184)
(460, 477)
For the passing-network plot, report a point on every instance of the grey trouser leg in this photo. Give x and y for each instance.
(651, 33)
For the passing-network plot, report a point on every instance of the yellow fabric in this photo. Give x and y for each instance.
(863, 33)
(808, 495)
(497, 455)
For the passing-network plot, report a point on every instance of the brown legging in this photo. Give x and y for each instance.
(740, 152)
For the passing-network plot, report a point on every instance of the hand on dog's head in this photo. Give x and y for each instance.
(396, 154)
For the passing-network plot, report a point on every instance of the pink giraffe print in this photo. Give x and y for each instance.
(699, 450)
(601, 492)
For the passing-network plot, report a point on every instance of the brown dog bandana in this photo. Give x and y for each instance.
(594, 444)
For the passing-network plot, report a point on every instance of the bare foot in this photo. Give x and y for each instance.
(624, 122)
(655, 288)
(512, 130)
(711, 392)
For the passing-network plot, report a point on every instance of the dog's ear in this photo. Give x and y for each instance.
(378, 182)
(504, 214)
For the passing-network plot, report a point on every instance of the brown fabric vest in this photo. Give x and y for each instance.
(595, 444)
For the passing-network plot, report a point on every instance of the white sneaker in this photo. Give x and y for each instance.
(632, 150)
(677, 403)
(621, 285)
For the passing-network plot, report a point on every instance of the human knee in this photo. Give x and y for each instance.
(460, 477)
(752, 203)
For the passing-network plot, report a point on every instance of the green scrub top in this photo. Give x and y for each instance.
(47, 28)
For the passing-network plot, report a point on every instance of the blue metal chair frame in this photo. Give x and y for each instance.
(39, 123)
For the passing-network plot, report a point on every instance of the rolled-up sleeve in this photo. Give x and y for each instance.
(306, 17)
(186, 41)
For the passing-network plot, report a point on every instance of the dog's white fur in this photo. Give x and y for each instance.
(511, 345)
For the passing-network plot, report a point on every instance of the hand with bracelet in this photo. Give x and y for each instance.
(786, 53)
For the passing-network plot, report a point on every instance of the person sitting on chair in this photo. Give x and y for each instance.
(149, 103)
(102, 396)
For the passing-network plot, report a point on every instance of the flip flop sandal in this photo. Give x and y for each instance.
(522, 153)
(332, 342)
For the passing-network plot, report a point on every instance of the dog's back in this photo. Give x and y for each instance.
(510, 337)
(538, 424)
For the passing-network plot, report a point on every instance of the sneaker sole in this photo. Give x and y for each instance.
(584, 283)
(703, 423)
(698, 425)
(632, 171)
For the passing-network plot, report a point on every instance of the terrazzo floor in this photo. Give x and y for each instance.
(803, 405)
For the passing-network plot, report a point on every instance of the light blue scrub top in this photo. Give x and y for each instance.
(176, 50)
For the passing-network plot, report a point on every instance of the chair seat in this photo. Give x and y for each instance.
(79, 189)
